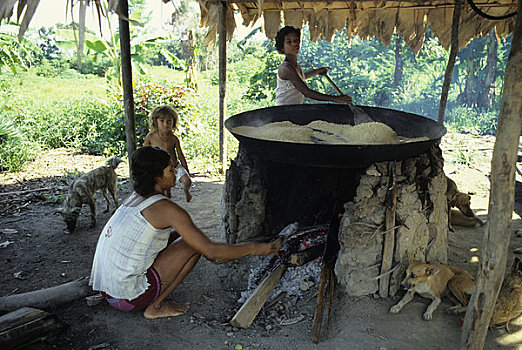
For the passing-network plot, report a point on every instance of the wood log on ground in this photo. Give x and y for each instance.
(25, 326)
(49, 297)
(246, 314)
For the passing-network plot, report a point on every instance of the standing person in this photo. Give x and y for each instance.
(134, 265)
(291, 86)
(162, 121)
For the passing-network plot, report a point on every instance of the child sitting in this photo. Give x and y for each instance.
(162, 121)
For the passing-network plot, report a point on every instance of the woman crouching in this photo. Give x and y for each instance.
(136, 266)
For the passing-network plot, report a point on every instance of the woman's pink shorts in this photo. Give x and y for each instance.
(144, 300)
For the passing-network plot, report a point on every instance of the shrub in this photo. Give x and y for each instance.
(54, 68)
(151, 94)
(264, 80)
(94, 64)
(471, 120)
(15, 151)
(81, 122)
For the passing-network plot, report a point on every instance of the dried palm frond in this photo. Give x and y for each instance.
(28, 9)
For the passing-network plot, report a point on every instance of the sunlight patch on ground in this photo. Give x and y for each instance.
(474, 259)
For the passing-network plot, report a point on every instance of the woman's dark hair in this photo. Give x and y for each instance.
(148, 164)
(280, 37)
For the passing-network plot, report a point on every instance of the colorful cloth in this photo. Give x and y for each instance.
(151, 294)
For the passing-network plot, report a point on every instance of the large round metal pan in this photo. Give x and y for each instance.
(335, 155)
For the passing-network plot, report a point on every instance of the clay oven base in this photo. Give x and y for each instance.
(260, 197)
(421, 222)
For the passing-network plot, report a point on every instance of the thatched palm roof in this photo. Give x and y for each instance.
(365, 18)
(25, 10)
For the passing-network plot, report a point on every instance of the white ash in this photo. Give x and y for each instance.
(289, 283)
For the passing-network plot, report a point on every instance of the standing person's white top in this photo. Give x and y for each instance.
(291, 86)
(286, 92)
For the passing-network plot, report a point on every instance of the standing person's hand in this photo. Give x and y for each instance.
(323, 70)
(343, 99)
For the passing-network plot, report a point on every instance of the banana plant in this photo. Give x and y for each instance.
(188, 68)
(111, 49)
(12, 52)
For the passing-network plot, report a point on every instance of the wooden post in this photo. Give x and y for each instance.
(325, 287)
(126, 69)
(451, 60)
(498, 229)
(389, 236)
(222, 83)
(327, 281)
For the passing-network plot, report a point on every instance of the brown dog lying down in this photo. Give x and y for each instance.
(433, 281)
(82, 189)
(509, 301)
(461, 201)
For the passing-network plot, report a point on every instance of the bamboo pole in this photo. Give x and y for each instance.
(451, 60)
(222, 83)
(126, 76)
(498, 229)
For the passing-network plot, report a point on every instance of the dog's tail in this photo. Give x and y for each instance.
(114, 162)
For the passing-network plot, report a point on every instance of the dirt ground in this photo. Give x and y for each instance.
(37, 252)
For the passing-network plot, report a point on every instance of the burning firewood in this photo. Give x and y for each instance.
(290, 255)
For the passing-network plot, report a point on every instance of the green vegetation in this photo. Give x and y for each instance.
(45, 102)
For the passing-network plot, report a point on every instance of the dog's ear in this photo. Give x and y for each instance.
(432, 271)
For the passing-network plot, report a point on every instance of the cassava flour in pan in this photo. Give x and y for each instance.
(319, 131)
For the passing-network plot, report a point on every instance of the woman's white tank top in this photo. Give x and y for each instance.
(286, 92)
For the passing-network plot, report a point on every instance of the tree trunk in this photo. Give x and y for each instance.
(81, 32)
(469, 58)
(397, 76)
(487, 90)
(469, 95)
(498, 230)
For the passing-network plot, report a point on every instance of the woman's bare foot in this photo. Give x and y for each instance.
(166, 309)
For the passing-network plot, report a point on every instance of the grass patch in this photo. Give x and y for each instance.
(30, 86)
